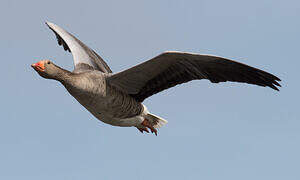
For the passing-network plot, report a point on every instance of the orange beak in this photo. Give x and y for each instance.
(39, 66)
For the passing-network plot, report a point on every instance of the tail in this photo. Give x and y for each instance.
(156, 121)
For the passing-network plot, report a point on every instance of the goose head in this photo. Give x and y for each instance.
(46, 69)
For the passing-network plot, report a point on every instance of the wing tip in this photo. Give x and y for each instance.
(274, 87)
(274, 84)
(50, 25)
(48, 22)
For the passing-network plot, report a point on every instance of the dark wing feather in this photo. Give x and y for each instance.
(61, 42)
(172, 68)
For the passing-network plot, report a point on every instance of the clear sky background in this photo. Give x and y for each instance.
(215, 131)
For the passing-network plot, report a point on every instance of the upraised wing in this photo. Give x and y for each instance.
(84, 57)
(172, 68)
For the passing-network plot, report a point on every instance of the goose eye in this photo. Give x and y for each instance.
(48, 62)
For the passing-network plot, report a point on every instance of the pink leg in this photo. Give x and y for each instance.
(143, 129)
(147, 124)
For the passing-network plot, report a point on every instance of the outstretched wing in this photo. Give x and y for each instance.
(172, 68)
(84, 57)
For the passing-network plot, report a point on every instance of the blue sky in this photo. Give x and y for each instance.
(215, 131)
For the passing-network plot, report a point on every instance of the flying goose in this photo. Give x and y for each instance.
(116, 98)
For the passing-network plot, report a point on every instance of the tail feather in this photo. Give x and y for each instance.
(156, 121)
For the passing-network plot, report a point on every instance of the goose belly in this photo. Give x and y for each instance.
(111, 111)
(125, 122)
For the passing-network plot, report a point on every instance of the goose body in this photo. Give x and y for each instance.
(105, 102)
(116, 98)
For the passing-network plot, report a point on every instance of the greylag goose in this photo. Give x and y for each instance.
(116, 98)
